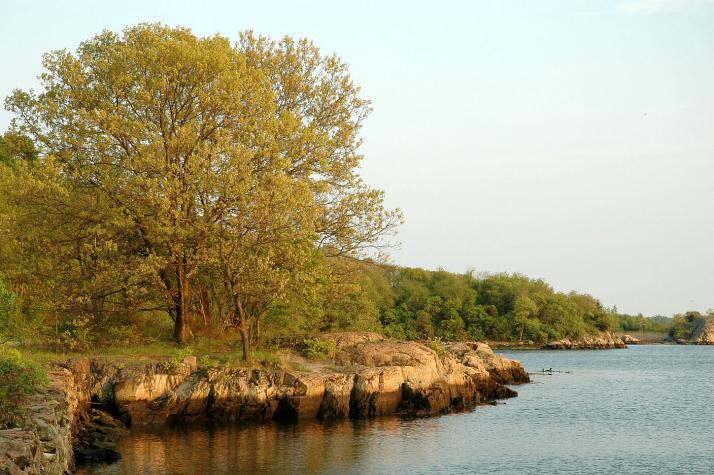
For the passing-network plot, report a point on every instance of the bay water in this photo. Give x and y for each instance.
(645, 409)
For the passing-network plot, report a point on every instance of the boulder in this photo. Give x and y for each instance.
(630, 340)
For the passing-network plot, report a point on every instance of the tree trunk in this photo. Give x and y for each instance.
(245, 337)
(256, 332)
(243, 327)
(204, 307)
(182, 330)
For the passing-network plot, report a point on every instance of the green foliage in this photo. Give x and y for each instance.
(123, 335)
(177, 358)
(15, 147)
(346, 295)
(189, 175)
(438, 347)
(317, 349)
(208, 361)
(682, 326)
(8, 310)
(421, 304)
(76, 335)
(19, 378)
(268, 359)
(680, 329)
(635, 323)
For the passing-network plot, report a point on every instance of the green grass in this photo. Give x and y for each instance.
(226, 352)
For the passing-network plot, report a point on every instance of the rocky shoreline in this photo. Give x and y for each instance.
(90, 403)
(603, 341)
(372, 376)
(84, 411)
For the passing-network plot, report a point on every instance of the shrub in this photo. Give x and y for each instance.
(76, 335)
(19, 378)
(317, 349)
(436, 345)
(207, 361)
(177, 358)
(680, 329)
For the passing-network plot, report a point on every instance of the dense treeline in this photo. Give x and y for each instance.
(640, 323)
(411, 303)
(415, 303)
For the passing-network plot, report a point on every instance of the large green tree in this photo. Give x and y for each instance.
(231, 160)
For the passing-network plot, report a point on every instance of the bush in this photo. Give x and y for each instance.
(178, 355)
(320, 349)
(436, 345)
(76, 335)
(19, 378)
(680, 329)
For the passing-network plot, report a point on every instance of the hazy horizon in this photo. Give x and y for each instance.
(571, 141)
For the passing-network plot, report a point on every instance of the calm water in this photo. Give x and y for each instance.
(647, 409)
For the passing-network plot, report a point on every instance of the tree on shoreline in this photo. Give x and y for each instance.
(236, 161)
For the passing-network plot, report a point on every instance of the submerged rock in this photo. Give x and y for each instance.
(97, 437)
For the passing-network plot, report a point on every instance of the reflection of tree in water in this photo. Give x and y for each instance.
(305, 447)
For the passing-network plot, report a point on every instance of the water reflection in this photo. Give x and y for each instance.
(306, 447)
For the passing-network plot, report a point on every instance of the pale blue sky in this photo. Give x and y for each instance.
(568, 140)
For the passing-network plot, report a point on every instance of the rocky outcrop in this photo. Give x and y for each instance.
(480, 355)
(630, 340)
(375, 377)
(604, 341)
(703, 331)
(45, 442)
